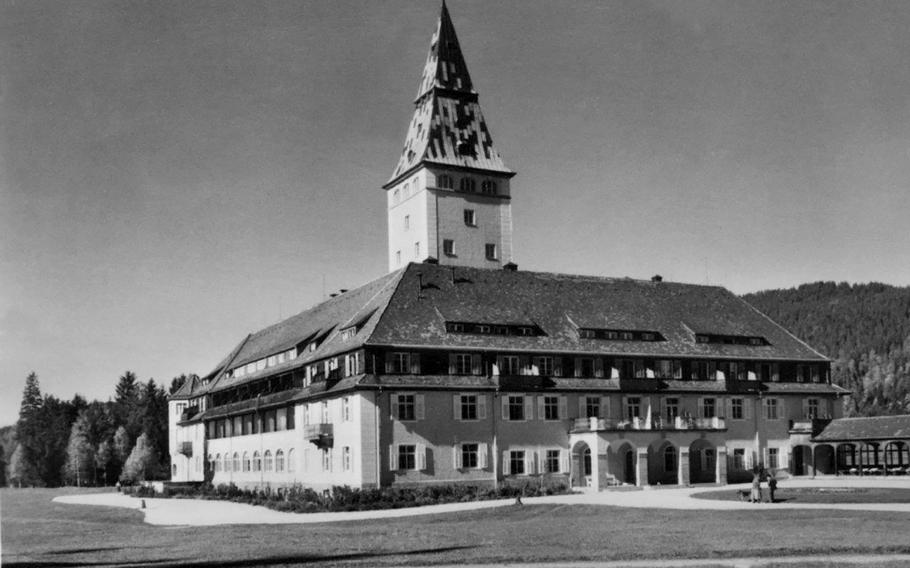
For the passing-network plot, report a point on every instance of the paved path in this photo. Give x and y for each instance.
(745, 562)
(206, 513)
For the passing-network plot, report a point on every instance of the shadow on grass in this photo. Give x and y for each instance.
(241, 563)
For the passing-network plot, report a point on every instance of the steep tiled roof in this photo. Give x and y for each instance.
(429, 295)
(871, 428)
(448, 127)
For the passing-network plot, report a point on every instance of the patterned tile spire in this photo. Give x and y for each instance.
(448, 127)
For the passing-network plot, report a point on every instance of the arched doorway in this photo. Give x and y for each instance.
(663, 463)
(581, 465)
(802, 460)
(702, 462)
(846, 459)
(624, 464)
(824, 459)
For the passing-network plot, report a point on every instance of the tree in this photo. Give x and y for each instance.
(104, 459)
(80, 454)
(155, 419)
(21, 471)
(122, 445)
(142, 463)
(127, 404)
(178, 382)
(29, 433)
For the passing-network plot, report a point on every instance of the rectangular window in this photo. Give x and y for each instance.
(417, 250)
(709, 408)
(346, 409)
(468, 407)
(398, 257)
(739, 459)
(509, 365)
(407, 222)
(592, 406)
(469, 456)
(773, 459)
(551, 461)
(407, 456)
(448, 247)
(516, 407)
(346, 458)
(491, 251)
(517, 462)
(326, 459)
(470, 218)
(406, 407)
(463, 364)
(325, 412)
(544, 366)
(771, 409)
(633, 407)
(736, 409)
(400, 363)
(671, 409)
(551, 408)
(812, 408)
(585, 367)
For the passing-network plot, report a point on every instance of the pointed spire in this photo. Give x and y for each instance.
(445, 67)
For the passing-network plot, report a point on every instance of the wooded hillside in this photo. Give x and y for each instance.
(864, 328)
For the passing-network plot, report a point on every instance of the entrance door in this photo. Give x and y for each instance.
(587, 462)
(630, 466)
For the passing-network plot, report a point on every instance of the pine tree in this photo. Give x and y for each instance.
(80, 454)
(29, 434)
(127, 404)
(104, 459)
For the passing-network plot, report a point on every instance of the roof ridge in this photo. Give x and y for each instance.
(785, 330)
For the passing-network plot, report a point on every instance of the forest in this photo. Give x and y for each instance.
(863, 328)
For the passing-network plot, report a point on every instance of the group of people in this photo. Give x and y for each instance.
(760, 475)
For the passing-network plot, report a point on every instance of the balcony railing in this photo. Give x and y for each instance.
(680, 423)
(320, 434)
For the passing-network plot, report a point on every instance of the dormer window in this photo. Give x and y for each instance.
(348, 333)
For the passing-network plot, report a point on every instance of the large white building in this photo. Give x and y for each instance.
(458, 368)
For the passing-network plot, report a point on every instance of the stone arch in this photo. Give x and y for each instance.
(870, 457)
(702, 462)
(802, 460)
(582, 466)
(897, 456)
(847, 459)
(663, 463)
(823, 460)
(624, 463)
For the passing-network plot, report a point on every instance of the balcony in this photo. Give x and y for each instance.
(189, 412)
(322, 435)
(185, 448)
(680, 423)
(811, 426)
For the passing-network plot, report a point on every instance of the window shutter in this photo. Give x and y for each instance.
(394, 402)
(783, 458)
(481, 407)
(557, 366)
(805, 407)
(524, 365)
(529, 407)
(421, 457)
(748, 459)
(728, 408)
(605, 407)
(475, 365)
(541, 413)
(530, 462)
(582, 406)
(419, 411)
(482, 451)
(456, 406)
(415, 363)
(701, 407)
(598, 367)
(456, 456)
(393, 457)
(505, 407)
(451, 363)
(624, 411)
(496, 367)
(388, 362)
(775, 372)
(663, 407)
(577, 367)
(505, 463)
(564, 461)
(748, 408)
(563, 408)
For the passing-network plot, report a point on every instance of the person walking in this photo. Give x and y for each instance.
(772, 486)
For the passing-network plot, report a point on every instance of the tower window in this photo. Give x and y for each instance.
(470, 218)
(468, 185)
(488, 187)
(444, 181)
(398, 257)
(491, 252)
(396, 197)
(407, 222)
(417, 250)
(448, 247)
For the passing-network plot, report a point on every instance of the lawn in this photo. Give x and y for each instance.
(820, 495)
(38, 532)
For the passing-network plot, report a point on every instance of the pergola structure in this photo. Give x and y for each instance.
(878, 445)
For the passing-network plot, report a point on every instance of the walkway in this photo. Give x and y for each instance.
(207, 513)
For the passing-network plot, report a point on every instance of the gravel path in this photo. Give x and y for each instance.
(193, 512)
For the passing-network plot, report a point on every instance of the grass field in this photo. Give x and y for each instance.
(38, 532)
(821, 495)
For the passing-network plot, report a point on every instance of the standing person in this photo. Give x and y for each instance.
(756, 488)
(772, 486)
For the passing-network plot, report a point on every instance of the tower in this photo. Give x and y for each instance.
(449, 196)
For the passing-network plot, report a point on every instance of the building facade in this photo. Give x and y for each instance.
(458, 368)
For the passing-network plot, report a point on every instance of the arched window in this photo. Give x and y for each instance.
(217, 462)
(291, 463)
(257, 462)
(174, 470)
(896, 454)
(396, 197)
(246, 461)
(868, 454)
(468, 185)
(488, 187)
(846, 456)
(268, 460)
(212, 463)
(236, 461)
(279, 461)
(670, 459)
(444, 181)
(407, 190)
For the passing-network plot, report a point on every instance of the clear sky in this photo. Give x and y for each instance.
(174, 175)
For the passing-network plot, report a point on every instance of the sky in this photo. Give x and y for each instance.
(175, 175)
